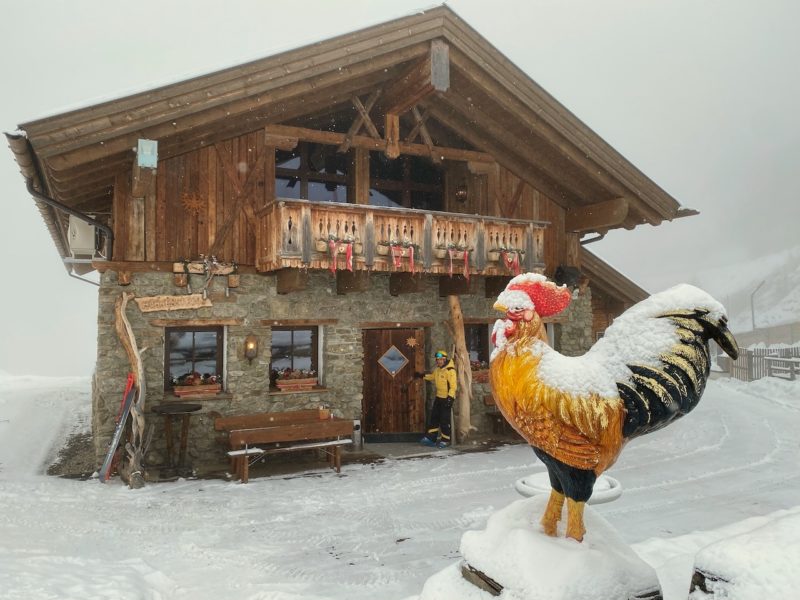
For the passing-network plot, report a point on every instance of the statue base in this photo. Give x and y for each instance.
(514, 558)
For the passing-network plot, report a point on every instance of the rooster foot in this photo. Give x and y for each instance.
(552, 513)
(575, 528)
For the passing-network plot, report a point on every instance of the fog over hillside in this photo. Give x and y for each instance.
(775, 302)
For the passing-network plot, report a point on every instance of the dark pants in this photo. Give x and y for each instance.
(439, 421)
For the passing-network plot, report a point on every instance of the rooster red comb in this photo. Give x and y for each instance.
(548, 298)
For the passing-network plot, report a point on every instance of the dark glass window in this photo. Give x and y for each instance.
(407, 181)
(477, 338)
(312, 171)
(294, 348)
(190, 351)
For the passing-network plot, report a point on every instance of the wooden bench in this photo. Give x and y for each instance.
(283, 432)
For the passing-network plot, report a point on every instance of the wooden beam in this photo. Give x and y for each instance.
(403, 283)
(496, 284)
(423, 130)
(281, 142)
(359, 141)
(101, 266)
(599, 216)
(453, 285)
(359, 177)
(392, 132)
(291, 280)
(359, 121)
(297, 322)
(394, 324)
(195, 322)
(366, 120)
(348, 282)
(429, 75)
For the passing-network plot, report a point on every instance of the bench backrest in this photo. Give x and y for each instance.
(269, 419)
(322, 429)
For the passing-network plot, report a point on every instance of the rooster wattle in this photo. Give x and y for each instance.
(649, 368)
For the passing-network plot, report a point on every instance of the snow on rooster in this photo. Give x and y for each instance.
(650, 368)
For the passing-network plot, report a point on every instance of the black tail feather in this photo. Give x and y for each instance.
(654, 396)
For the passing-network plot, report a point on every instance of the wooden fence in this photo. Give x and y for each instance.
(751, 364)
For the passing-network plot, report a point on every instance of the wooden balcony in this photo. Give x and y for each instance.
(304, 234)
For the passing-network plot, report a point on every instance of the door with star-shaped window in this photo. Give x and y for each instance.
(393, 401)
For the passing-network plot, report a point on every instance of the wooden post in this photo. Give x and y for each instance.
(359, 187)
(463, 371)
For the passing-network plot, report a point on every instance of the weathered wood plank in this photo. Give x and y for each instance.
(230, 322)
(599, 216)
(355, 127)
(66, 155)
(429, 75)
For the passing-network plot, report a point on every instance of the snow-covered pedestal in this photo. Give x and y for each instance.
(528, 565)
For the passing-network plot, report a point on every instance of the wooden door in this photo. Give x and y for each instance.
(394, 402)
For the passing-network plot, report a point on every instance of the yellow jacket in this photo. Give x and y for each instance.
(444, 379)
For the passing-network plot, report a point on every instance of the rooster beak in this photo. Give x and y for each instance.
(500, 307)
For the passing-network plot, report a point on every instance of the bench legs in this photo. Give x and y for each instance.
(240, 463)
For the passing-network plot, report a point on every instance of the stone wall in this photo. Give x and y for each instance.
(247, 384)
(573, 334)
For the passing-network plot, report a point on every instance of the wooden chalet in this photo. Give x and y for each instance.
(347, 191)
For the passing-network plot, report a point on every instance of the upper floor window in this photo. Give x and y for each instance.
(294, 349)
(192, 353)
(407, 181)
(313, 172)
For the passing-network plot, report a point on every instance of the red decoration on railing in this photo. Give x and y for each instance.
(511, 260)
(397, 256)
(333, 250)
(465, 255)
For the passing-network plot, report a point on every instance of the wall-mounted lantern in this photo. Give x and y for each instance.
(461, 193)
(250, 347)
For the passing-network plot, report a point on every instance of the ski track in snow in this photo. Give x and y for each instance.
(377, 530)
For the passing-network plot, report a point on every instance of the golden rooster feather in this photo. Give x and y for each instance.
(577, 413)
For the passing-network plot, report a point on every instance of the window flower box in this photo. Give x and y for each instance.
(208, 389)
(295, 380)
(196, 384)
(296, 385)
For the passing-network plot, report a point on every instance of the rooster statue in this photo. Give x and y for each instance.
(650, 368)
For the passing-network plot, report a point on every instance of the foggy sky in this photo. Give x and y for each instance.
(702, 96)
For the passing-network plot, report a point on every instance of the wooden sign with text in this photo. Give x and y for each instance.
(155, 303)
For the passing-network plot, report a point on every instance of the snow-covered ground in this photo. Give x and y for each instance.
(378, 530)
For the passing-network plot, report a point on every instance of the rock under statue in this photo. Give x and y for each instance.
(650, 368)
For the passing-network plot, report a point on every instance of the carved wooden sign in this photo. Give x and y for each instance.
(186, 302)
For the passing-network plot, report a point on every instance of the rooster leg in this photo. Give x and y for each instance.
(552, 513)
(575, 528)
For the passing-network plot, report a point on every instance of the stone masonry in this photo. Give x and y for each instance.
(246, 385)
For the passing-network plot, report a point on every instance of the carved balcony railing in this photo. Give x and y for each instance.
(324, 235)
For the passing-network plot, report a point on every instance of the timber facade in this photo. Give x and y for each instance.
(318, 214)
